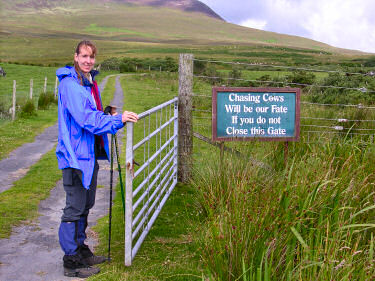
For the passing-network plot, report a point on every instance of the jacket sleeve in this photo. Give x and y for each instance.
(76, 100)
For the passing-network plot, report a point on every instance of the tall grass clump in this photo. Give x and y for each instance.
(45, 99)
(311, 220)
(4, 109)
(28, 109)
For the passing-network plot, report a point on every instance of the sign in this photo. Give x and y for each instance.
(268, 114)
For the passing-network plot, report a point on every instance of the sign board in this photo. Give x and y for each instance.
(267, 114)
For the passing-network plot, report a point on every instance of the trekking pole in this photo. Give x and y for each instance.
(110, 202)
(120, 176)
(108, 111)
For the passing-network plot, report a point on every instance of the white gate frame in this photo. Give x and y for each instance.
(167, 181)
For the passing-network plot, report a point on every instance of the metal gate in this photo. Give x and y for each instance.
(149, 182)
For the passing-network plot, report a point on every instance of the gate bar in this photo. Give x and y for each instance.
(129, 193)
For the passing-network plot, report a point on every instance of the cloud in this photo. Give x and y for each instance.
(346, 24)
(236, 11)
(254, 23)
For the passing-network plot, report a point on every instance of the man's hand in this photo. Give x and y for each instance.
(129, 116)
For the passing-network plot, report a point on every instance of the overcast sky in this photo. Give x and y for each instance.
(341, 23)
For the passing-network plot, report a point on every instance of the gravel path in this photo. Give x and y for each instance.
(33, 251)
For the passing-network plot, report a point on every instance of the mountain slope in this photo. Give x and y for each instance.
(33, 30)
(183, 5)
(115, 20)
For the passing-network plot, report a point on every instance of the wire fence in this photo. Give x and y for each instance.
(285, 83)
(12, 98)
(291, 68)
(319, 122)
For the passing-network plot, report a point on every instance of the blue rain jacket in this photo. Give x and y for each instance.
(79, 121)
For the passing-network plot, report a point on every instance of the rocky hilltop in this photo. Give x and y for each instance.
(184, 5)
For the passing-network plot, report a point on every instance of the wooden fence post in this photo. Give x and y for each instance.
(160, 68)
(14, 100)
(45, 85)
(31, 88)
(55, 92)
(185, 119)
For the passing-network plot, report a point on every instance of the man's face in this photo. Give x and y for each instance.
(85, 59)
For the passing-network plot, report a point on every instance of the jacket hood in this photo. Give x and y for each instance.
(69, 71)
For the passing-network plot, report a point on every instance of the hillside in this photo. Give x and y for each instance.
(183, 5)
(123, 28)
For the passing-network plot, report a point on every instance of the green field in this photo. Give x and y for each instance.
(22, 74)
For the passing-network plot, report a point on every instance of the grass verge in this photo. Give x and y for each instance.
(23, 130)
(169, 252)
(108, 92)
(20, 203)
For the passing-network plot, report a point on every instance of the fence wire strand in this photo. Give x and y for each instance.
(340, 120)
(284, 83)
(285, 67)
(338, 128)
(360, 106)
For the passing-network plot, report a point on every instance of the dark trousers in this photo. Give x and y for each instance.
(78, 199)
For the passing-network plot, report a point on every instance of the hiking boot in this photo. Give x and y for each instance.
(75, 266)
(88, 257)
(83, 272)
(95, 260)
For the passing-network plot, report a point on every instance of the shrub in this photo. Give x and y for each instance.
(28, 109)
(169, 64)
(45, 99)
(127, 67)
(216, 78)
(111, 64)
(268, 81)
(4, 109)
(348, 93)
(199, 67)
(131, 64)
(370, 62)
(301, 77)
